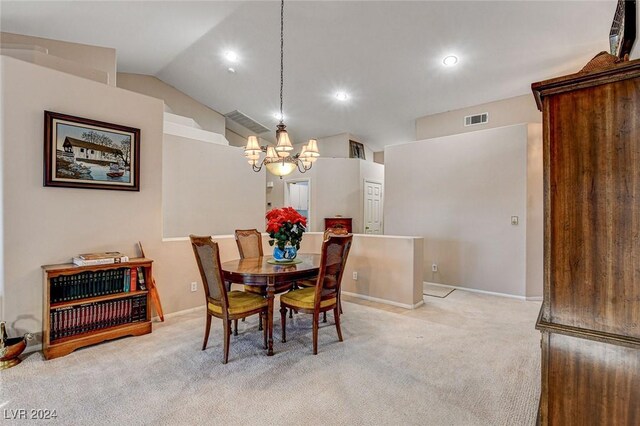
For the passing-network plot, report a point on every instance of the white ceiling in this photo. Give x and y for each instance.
(386, 55)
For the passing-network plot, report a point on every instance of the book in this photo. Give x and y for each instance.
(102, 261)
(100, 255)
(134, 279)
(142, 285)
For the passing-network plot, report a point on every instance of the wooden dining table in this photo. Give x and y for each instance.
(258, 272)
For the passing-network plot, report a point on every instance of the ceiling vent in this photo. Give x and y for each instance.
(474, 120)
(246, 121)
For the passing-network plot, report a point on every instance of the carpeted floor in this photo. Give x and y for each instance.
(468, 359)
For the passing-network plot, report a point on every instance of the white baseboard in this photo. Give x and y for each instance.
(384, 301)
(492, 293)
(535, 299)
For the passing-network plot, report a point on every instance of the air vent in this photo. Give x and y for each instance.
(474, 120)
(246, 122)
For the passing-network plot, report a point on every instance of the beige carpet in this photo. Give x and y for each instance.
(468, 359)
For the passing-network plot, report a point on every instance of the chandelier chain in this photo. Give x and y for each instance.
(281, 56)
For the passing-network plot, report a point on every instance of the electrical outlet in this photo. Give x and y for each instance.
(514, 220)
(355, 276)
(434, 267)
(194, 286)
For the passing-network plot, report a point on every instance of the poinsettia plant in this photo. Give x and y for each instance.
(285, 225)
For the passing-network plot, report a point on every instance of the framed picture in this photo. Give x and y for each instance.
(84, 153)
(356, 150)
(623, 29)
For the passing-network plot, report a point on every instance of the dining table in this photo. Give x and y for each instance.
(270, 275)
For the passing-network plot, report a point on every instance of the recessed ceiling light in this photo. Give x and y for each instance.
(342, 96)
(278, 116)
(231, 56)
(231, 70)
(450, 60)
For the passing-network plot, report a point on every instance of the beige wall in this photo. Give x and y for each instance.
(93, 57)
(208, 189)
(378, 157)
(535, 212)
(389, 267)
(459, 193)
(336, 189)
(235, 139)
(44, 225)
(178, 102)
(521, 109)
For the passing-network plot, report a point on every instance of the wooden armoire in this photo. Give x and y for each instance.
(590, 316)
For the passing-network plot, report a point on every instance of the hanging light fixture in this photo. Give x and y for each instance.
(278, 160)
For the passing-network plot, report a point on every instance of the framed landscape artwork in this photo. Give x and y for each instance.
(84, 153)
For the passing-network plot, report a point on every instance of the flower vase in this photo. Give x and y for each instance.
(289, 253)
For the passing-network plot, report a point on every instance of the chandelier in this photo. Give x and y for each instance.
(278, 160)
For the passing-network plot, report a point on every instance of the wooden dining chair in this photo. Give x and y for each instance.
(223, 304)
(326, 293)
(249, 243)
(337, 230)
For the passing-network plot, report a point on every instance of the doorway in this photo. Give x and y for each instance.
(297, 194)
(373, 223)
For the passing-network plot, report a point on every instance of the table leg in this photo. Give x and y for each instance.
(271, 291)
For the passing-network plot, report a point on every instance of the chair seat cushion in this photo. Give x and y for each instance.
(303, 299)
(240, 302)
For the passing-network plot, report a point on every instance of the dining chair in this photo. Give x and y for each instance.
(337, 230)
(223, 304)
(325, 295)
(249, 243)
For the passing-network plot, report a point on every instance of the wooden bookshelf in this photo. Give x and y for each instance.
(125, 313)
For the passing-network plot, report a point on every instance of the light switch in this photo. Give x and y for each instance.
(514, 220)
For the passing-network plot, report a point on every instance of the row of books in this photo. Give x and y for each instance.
(86, 284)
(103, 258)
(65, 322)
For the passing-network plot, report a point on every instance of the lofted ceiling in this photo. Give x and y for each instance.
(386, 55)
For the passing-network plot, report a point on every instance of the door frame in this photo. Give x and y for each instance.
(286, 196)
(364, 204)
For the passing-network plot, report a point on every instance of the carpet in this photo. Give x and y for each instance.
(436, 290)
(468, 359)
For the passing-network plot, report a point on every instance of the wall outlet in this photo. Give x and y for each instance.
(194, 286)
(434, 267)
(355, 276)
(514, 220)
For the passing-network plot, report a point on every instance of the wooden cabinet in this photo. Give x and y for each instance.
(338, 222)
(85, 305)
(590, 317)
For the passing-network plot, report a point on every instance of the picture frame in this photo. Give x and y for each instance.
(623, 29)
(84, 153)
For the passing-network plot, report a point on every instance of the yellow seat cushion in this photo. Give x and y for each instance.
(303, 299)
(240, 302)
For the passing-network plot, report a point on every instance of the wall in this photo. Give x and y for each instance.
(208, 189)
(521, 109)
(378, 157)
(535, 212)
(45, 225)
(178, 102)
(234, 138)
(459, 193)
(389, 267)
(95, 57)
(336, 188)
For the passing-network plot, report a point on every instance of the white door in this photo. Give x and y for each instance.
(297, 194)
(372, 207)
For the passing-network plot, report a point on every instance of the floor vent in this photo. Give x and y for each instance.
(474, 120)
(246, 122)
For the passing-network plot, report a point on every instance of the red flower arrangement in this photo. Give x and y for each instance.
(285, 225)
